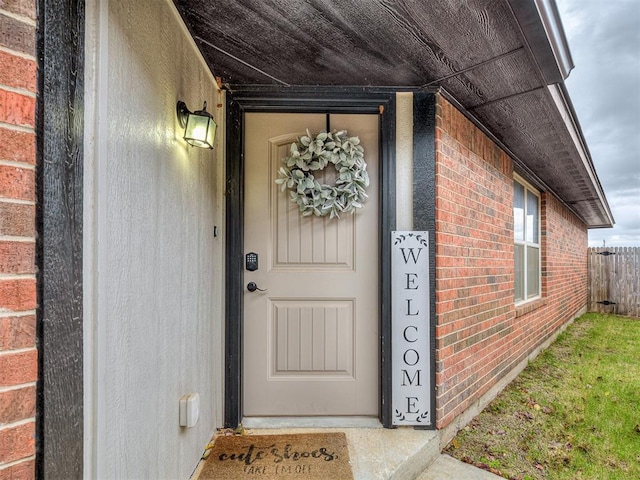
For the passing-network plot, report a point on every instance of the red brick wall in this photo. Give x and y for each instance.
(481, 336)
(18, 355)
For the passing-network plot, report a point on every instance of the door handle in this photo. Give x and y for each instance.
(252, 287)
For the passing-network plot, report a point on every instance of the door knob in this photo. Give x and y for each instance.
(252, 287)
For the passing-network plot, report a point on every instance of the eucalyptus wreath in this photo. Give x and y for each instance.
(311, 154)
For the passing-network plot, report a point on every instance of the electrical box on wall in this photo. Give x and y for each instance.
(189, 409)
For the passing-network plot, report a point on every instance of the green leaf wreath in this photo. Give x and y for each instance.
(310, 154)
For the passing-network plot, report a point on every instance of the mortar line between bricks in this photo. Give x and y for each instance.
(19, 91)
(10, 238)
(17, 387)
(11, 163)
(16, 53)
(4, 466)
(19, 423)
(17, 276)
(6, 353)
(21, 313)
(20, 18)
(13, 463)
(17, 200)
(17, 128)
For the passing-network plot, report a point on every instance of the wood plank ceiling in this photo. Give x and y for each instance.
(486, 54)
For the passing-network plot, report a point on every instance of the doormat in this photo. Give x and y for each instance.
(313, 456)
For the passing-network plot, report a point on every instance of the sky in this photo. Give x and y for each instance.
(604, 86)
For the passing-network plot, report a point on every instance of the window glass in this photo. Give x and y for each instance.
(532, 217)
(533, 272)
(519, 274)
(518, 211)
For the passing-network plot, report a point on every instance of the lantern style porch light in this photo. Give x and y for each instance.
(199, 126)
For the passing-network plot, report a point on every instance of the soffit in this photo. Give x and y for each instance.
(475, 49)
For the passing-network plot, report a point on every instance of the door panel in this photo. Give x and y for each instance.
(313, 337)
(311, 344)
(302, 242)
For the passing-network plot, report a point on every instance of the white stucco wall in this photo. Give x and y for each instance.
(153, 269)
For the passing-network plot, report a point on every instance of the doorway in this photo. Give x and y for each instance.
(296, 348)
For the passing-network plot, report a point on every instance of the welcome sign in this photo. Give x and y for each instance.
(411, 331)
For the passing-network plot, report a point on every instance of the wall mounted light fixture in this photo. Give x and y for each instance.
(199, 126)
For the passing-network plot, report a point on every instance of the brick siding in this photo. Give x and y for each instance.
(18, 354)
(481, 336)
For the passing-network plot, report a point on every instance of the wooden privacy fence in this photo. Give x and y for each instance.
(614, 281)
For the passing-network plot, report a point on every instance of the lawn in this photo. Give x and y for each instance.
(573, 413)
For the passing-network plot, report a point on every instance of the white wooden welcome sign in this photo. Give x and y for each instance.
(410, 331)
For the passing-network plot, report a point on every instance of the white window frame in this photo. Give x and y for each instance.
(528, 244)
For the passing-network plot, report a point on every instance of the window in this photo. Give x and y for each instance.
(526, 230)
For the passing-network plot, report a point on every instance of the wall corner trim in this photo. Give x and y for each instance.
(59, 210)
(424, 203)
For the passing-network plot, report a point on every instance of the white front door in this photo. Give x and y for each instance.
(311, 340)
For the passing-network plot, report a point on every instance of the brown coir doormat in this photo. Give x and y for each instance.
(302, 456)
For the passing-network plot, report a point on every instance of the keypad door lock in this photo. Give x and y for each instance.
(251, 261)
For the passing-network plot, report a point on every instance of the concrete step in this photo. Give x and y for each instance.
(377, 453)
(392, 454)
(445, 467)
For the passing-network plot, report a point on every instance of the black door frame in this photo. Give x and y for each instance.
(241, 100)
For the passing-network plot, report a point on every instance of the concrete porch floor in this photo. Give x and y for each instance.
(392, 454)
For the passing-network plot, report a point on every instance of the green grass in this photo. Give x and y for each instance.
(573, 413)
